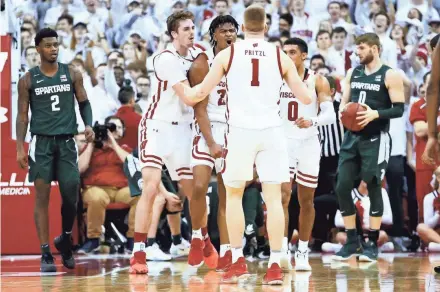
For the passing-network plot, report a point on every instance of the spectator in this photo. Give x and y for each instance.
(423, 171)
(221, 7)
(143, 85)
(285, 23)
(428, 231)
(32, 58)
(398, 35)
(64, 7)
(338, 51)
(128, 115)
(98, 18)
(64, 28)
(316, 61)
(388, 47)
(301, 21)
(105, 182)
(334, 10)
(136, 69)
(324, 71)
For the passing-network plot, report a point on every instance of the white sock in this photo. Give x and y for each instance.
(138, 246)
(224, 248)
(433, 246)
(285, 244)
(303, 245)
(236, 254)
(197, 234)
(275, 257)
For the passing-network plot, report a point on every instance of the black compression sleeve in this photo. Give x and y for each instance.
(85, 109)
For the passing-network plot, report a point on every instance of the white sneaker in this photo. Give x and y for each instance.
(179, 250)
(154, 253)
(302, 261)
(434, 247)
(387, 247)
(286, 260)
(331, 247)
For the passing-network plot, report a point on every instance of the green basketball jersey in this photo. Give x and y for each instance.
(52, 103)
(371, 90)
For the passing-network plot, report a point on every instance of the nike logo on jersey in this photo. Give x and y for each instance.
(374, 212)
(374, 139)
(36, 75)
(38, 81)
(356, 77)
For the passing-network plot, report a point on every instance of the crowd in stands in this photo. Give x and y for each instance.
(113, 43)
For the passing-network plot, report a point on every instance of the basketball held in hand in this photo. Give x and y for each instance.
(348, 116)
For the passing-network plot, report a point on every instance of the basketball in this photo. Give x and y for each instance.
(348, 116)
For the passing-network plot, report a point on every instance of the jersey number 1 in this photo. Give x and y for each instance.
(255, 72)
(292, 111)
(55, 101)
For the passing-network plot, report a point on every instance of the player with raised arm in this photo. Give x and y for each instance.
(364, 154)
(160, 130)
(432, 99)
(208, 143)
(304, 146)
(254, 71)
(50, 90)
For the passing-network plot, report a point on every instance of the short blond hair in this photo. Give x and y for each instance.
(254, 18)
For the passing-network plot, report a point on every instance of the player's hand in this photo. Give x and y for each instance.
(174, 204)
(215, 150)
(366, 116)
(303, 123)
(22, 159)
(90, 135)
(431, 151)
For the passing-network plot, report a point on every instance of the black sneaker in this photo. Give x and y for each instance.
(63, 243)
(47, 264)
(262, 252)
(250, 246)
(348, 250)
(91, 246)
(370, 252)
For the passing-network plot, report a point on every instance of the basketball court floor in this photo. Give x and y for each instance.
(393, 272)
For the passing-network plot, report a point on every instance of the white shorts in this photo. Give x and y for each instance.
(166, 143)
(200, 150)
(267, 149)
(304, 159)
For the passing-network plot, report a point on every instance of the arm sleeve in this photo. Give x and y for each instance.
(85, 109)
(387, 217)
(326, 116)
(396, 111)
(165, 69)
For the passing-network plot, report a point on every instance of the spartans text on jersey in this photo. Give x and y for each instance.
(52, 89)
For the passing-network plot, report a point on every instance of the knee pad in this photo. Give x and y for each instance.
(376, 200)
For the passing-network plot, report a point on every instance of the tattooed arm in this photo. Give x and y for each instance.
(22, 121)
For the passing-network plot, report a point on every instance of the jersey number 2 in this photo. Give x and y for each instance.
(255, 72)
(221, 100)
(55, 101)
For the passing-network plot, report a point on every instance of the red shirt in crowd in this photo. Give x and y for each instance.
(106, 169)
(418, 113)
(131, 120)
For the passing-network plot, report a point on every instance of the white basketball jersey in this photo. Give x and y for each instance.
(254, 79)
(291, 108)
(165, 105)
(217, 99)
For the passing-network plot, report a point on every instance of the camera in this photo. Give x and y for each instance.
(101, 133)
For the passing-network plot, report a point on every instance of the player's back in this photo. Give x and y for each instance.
(52, 102)
(254, 79)
(291, 108)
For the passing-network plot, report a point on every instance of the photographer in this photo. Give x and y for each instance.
(101, 167)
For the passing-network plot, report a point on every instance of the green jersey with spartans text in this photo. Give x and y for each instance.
(371, 90)
(52, 103)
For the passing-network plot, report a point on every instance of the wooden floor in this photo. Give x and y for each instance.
(393, 272)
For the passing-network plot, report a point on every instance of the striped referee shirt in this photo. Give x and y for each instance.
(332, 135)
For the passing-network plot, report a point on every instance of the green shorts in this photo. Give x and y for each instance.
(53, 158)
(369, 154)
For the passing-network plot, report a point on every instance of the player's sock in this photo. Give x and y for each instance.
(45, 248)
(151, 241)
(303, 246)
(351, 235)
(236, 254)
(177, 239)
(205, 233)
(373, 235)
(275, 257)
(197, 234)
(224, 248)
(285, 246)
(140, 237)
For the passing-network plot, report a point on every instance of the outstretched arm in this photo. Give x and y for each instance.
(24, 85)
(290, 75)
(85, 108)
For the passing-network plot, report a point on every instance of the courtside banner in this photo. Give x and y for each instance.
(17, 195)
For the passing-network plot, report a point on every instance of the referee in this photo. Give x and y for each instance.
(331, 140)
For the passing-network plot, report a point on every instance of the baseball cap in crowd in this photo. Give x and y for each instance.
(433, 20)
(178, 2)
(136, 32)
(423, 53)
(79, 23)
(128, 2)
